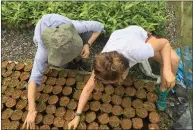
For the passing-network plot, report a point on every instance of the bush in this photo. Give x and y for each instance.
(115, 15)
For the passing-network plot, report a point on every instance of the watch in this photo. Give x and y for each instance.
(78, 114)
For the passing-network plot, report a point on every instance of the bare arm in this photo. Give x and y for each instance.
(31, 96)
(93, 37)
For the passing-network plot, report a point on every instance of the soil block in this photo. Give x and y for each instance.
(10, 103)
(65, 126)
(4, 64)
(3, 71)
(24, 76)
(129, 112)
(83, 118)
(46, 70)
(24, 116)
(51, 81)
(58, 121)
(24, 94)
(54, 128)
(15, 74)
(119, 90)
(16, 94)
(60, 111)
(7, 73)
(76, 94)
(81, 126)
(141, 112)
(43, 97)
(62, 74)
(109, 89)
(11, 66)
(50, 109)
(79, 78)
(72, 104)
(39, 118)
(5, 81)
(95, 105)
(21, 85)
(126, 102)
(99, 87)
(139, 84)
(152, 97)
(107, 108)
(4, 87)
(137, 103)
(80, 85)
(13, 83)
(67, 91)
(149, 106)
(57, 89)
(141, 93)
(6, 114)
(153, 117)
(86, 78)
(116, 100)
(150, 87)
(93, 126)
(114, 121)
(153, 127)
(117, 110)
(28, 68)
(13, 125)
(9, 91)
(44, 79)
(70, 81)
(64, 101)
(69, 115)
(86, 107)
(97, 95)
(104, 127)
(60, 81)
(37, 95)
(126, 124)
(5, 123)
(128, 81)
(44, 127)
(41, 88)
(137, 123)
(103, 118)
(19, 66)
(48, 89)
(71, 74)
(53, 73)
(106, 98)
(40, 106)
(48, 119)
(17, 115)
(53, 99)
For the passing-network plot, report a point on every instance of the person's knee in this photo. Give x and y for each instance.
(175, 59)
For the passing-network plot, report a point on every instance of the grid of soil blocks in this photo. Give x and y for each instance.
(130, 105)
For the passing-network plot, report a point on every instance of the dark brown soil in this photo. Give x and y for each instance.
(79, 78)
(19, 66)
(72, 104)
(107, 108)
(153, 117)
(16, 94)
(149, 106)
(104, 127)
(60, 111)
(130, 91)
(106, 98)
(69, 115)
(114, 121)
(81, 126)
(7, 73)
(50, 109)
(128, 81)
(80, 85)
(39, 118)
(103, 118)
(126, 102)
(72, 74)
(10, 103)
(70, 81)
(41, 88)
(137, 123)
(24, 94)
(152, 97)
(109, 89)
(97, 95)
(14, 125)
(48, 89)
(60, 81)
(44, 127)
(6, 113)
(64, 101)
(4, 64)
(57, 89)
(16, 115)
(153, 127)
(21, 84)
(16, 74)
(53, 99)
(137, 103)
(11, 66)
(129, 112)
(139, 84)
(44, 79)
(62, 74)
(28, 68)
(67, 91)
(141, 112)
(99, 87)
(126, 124)
(58, 121)
(86, 78)
(40, 106)
(116, 100)
(24, 76)
(48, 119)
(77, 94)
(95, 106)
(117, 110)
(119, 90)
(51, 81)
(90, 117)
(141, 94)
(53, 73)
(150, 86)
(86, 107)
(44, 97)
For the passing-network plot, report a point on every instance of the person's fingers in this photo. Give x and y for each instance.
(74, 127)
(24, 124)
(33, 125)
(69, 126)
(27, 125)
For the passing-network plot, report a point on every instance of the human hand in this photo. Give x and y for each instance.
(30, 120)
(85, 51)
(74, 123)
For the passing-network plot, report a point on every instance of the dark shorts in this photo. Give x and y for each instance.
(86, 36)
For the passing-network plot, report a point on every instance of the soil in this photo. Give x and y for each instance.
(83, 118)
(79, 78)
(106, 107)
(70, 81)
(46, 70)
(65, 126)
(69, 115)
(76, 94)
(80, 85)
(60, 111)
(141, 94)
(86, 78)
(141, 112)
(41, 88)
(152, 97)
(116, 100)
(64, 101)
(10, 103)
(17, 115)
(103, 119)
(130, 91)
(71, 74)
(16, 94)
(21, 84)
(6, 113)
(5, 123)
(86, 107)
(51, 81)
(117, 110)
(48, 89)
(90, 117)
(153, 117)
(128, 81)
(95, 106)
(153, 127)
(15, 74)
(53, 73)
(57, 89)
(40, 106)
(62, 74)
(139, 84)
(24, 94)
(53, 99)
(126, 124)
(50, 109)
(60, 81)
(4, 64)
(9, 91)
(48, 119)
(24, 116)
(81, 126)
(106, 98)
(13, 125)
(109, 89)
(126, 102)
(44, 79)
(150, 87)
(28, 68)
(19, 66)
(11, 66)
(7, 73)
(39, 118)
(137, 123)
(24, 76)
(67, 91)
(3, 71)
(119, 90)
(58, 122)
(129, 112)
(72, 104)
(114, 121)
(93, 126)
(37, 95)
(97, 95)
(149, 106)
(4, 87)
(13, 83)
(44, 127)
(99, 87)
(104, 127)
(44, 97)
(137, 103)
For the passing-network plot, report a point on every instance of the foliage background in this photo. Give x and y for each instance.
(115, 15)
